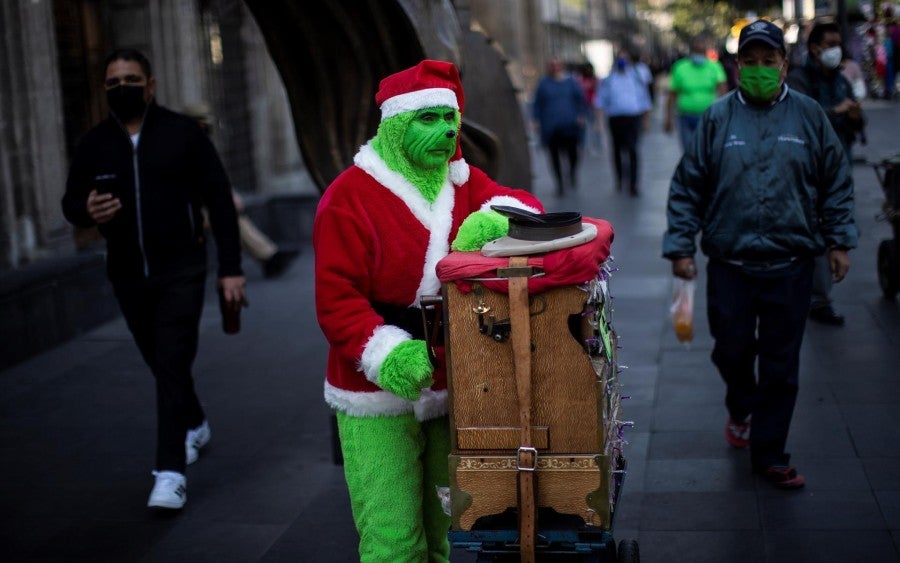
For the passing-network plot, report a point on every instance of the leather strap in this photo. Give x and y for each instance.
(526, 456)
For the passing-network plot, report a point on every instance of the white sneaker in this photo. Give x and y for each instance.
(196, 439)
(170, 490)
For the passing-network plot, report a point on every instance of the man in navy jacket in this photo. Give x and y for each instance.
(766, 184)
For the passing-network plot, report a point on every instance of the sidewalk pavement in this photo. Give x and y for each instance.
(78, 422)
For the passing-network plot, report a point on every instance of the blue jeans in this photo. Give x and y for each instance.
(687, 124)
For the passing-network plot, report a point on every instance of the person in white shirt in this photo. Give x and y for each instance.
(625, 101)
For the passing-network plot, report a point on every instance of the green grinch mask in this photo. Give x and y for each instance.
(419, 144)
(760, 82)
(430, 139)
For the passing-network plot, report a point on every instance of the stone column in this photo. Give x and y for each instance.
(177, 52)
(32, 140)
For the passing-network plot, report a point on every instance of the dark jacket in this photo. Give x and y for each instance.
(162, 184)
(761, 183)
(557, 107)
(829, 90)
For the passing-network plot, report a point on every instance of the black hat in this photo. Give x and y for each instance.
(761, 30)
(536, 233)
(525, 225)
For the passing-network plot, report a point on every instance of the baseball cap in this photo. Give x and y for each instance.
(761, 30)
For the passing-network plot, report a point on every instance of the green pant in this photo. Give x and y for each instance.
(392, 465)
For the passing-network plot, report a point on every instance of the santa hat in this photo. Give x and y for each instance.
(428, 84)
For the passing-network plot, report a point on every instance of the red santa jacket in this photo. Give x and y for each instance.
(378, 240)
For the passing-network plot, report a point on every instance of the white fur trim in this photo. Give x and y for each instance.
(382, 342)
(508, 201)
(438, 242)
(420, 99)
(459, 172)
(431, 404)
(363, 403)
(437, 217)
(372, 164)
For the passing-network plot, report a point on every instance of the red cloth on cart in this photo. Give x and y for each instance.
(567, 266)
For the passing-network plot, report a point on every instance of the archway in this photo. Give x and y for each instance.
(332, 53)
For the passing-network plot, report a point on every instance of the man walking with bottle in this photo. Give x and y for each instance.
(141, 176)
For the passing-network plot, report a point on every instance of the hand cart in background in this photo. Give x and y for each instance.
(888, 172)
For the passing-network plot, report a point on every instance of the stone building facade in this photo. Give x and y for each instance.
(210, 51)
(202, 51)
(51, 67)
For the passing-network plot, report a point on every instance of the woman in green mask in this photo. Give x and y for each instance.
(766, 185)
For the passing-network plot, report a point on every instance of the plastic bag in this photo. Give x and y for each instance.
(682, 309)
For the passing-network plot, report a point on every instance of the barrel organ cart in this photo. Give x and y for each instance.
(537, 461)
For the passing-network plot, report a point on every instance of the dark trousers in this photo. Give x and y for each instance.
(563, 142)
(759, 319)
(163, 315)
(822, 282)
(624, 130)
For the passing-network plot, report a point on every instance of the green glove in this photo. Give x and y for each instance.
(479, 228)
(407, 370)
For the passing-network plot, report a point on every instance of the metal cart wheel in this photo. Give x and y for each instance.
(629, 552)
(888, 268)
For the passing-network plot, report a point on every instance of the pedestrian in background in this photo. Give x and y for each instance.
(592, 132)
(854, 74)
(694, 84)
(643, 70)
(625, 101)
(142, 176)
(821, 79)
(560, 112)
(272, 260)
(765, 183)
(892, 50)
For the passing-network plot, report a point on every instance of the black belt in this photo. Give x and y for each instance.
(407, 318)
(414, 322)
(773, 265)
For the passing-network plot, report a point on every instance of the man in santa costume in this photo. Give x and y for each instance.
(380, 229)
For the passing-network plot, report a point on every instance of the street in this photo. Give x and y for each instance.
(78, 422)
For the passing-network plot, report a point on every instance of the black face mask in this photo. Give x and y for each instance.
(127, 102)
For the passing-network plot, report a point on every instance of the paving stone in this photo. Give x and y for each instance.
(815, 546)
(695, 511)
(820, 510)
(734, 546)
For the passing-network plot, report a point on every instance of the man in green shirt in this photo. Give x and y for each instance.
(695, 83)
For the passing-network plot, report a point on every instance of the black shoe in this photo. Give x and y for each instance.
(278, 263)
(826, 315)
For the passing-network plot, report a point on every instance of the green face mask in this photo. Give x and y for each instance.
(760, 82)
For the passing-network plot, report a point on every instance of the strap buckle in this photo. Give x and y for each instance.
(534, 455)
